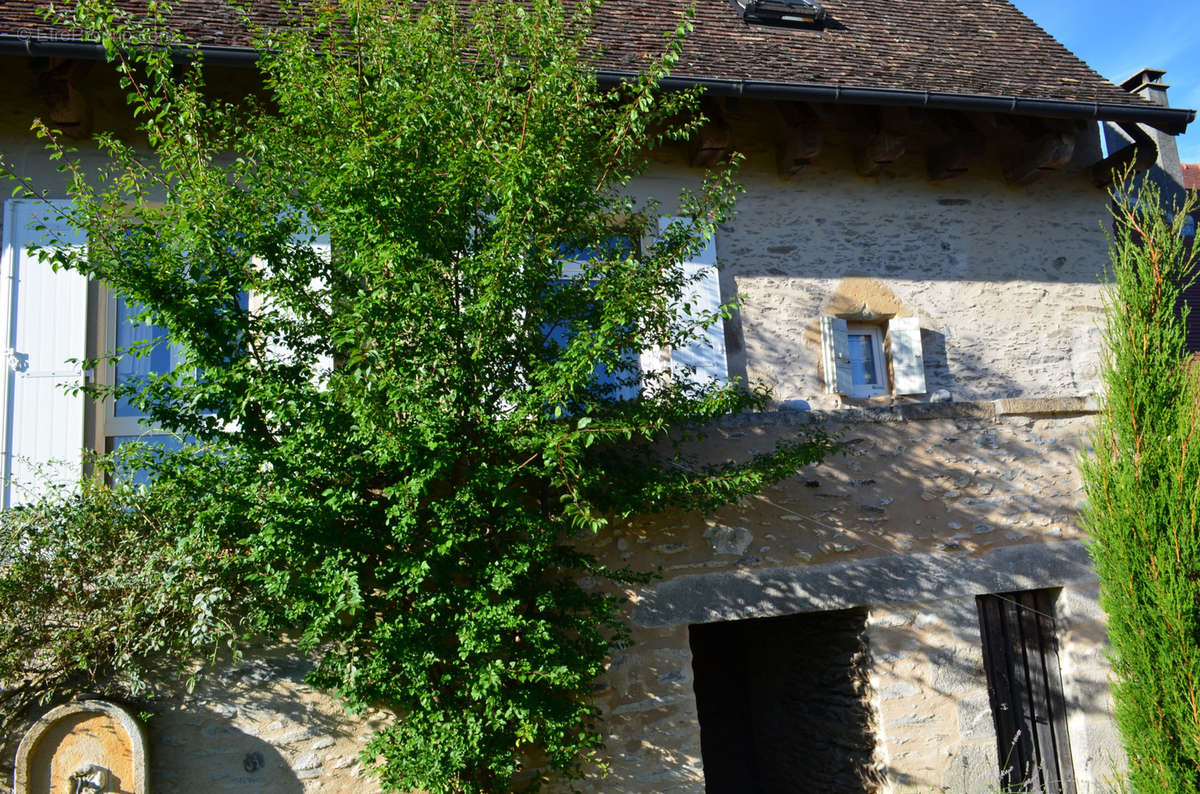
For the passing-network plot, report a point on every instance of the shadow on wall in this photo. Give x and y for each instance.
(913, 521)
(928, 680)
(256, 726)
(203, 750)
(937, 365)
(951, 485)
(830, 224)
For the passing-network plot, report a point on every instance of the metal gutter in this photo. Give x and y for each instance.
(1172, 121)
(47, 47)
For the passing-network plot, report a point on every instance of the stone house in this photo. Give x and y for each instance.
(917, 259)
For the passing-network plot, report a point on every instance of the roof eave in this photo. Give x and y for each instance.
(38, 47)
(1172, 121)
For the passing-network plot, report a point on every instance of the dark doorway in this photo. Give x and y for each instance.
(784, 704)
(1020, 654)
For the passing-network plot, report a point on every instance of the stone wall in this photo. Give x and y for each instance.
(927, 507)
(250, 726)
(920, 514)
(1005, 280)
(256, 726)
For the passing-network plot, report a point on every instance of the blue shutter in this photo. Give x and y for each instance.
(702, 360)
(45, 325)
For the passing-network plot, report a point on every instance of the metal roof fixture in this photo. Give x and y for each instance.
(802, 12)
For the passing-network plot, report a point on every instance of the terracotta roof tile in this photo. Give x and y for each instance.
(957, 46)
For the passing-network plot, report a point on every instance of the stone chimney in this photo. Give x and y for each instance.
(1148, 84)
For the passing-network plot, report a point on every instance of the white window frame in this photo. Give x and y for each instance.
(880, 387)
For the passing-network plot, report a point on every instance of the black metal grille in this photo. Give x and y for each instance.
(1020, 655)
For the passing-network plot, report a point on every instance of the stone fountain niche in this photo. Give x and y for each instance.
(81, 748)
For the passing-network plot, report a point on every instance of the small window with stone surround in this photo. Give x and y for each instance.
(856, 356)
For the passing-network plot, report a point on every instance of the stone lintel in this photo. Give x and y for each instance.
(920, 411)
(898, 579)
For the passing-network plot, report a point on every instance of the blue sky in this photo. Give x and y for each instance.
(1118, 38)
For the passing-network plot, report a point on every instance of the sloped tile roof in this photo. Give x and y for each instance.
(980, 47)
(955, 46)
(206, 22)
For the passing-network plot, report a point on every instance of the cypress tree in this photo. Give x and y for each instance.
(1142, 480)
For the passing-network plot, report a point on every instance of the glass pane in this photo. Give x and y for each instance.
(561, 335)
(141, 476)
(862, 360)
(630, 368)
(162, 357)
(614, 246)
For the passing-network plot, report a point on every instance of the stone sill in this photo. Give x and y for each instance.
(990, 410)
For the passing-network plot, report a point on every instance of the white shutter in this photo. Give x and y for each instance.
(835, 356)
(323, 248)
(706, 255)
(908, 363)
(275, 349)
(702, 360)
(45, 325)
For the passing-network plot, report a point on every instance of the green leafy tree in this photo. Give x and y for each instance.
(402, 406)
(1142, 479)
